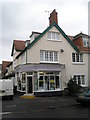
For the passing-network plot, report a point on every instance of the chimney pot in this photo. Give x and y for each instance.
(53, 17)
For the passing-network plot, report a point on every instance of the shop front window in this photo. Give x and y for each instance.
(41, 85)
(57, 81)
(52, 83)
(49, 81)
(46, 82)
(23, 78)
(35, 81)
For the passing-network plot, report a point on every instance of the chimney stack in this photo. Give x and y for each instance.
(53, 17)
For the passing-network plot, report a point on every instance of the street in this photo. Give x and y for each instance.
(43, 107)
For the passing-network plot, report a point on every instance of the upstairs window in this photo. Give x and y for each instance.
(86, 42)
(48, 56)
(53, 36)
(77, 57)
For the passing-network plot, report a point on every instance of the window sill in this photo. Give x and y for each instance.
(48, 62)
(48, 90)
(78, 63)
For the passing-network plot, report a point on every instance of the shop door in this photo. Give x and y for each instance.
(29, 85)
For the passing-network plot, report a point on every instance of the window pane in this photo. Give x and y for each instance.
(81, 57)
(55, 56)
(57, 36)
(77, 57)
(73, 57)
(75, 78)
(41, 86)
(35, 81)
(29, 73)
(49, 35)
(57, 81)
(46, 56)
(53, 35)
(83, 79)
(85, 42)
(41, 55)
(79, 80)
(51, 56)
(52, 84)
(46, 82)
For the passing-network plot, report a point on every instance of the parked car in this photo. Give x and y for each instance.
(6, 88)
(83, 96)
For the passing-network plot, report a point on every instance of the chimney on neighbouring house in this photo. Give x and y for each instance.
(53, 17)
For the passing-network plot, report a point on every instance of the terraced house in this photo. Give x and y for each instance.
(45, 63)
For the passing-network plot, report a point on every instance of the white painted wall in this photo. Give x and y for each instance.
(33, 56)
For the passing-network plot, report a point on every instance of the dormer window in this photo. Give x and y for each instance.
(53, 36)
(85, 42)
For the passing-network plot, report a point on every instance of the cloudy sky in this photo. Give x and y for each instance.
(18, 18)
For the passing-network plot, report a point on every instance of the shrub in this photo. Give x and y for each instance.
(73, 87)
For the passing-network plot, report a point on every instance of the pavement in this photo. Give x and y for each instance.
(43, 107)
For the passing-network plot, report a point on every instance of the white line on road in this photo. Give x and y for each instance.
(5, 113)
(9, 106)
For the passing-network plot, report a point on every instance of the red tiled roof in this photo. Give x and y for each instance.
(4, 65)
(19, 45)
(70, 37)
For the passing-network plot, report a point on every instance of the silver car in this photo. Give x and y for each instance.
(83, 96)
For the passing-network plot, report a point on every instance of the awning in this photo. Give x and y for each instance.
(38, 67)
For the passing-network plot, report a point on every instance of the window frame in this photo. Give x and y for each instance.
(49, 84)
(77, 58)
(81, 76)
(48, 58)
(53, 36)
(85, 42)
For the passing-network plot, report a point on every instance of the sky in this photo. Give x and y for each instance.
(18, 18)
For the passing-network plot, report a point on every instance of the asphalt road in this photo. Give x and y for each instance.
(44, 107)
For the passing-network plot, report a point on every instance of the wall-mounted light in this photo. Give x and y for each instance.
(62, 50)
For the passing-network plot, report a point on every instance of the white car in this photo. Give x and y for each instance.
(6, 88)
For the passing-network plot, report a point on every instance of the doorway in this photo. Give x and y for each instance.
(29, 85)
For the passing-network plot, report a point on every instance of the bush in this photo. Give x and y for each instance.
(73, 87)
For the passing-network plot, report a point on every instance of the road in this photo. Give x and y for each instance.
(44, 107)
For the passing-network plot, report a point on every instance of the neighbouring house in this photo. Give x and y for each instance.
(4, 68)
(18, 46)
(44, 64)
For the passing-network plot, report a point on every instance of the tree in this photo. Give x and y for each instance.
(73, 87)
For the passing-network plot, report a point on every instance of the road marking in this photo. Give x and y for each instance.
(5, 113)
(9, 106)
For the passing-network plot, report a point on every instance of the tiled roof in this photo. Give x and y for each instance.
(19, 45)
(70, 37)
(4, 65)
